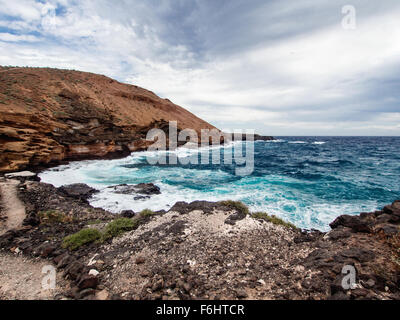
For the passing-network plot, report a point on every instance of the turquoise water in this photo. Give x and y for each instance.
(308, 181)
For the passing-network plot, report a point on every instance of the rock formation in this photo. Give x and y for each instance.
(50, 115)
(205, 250)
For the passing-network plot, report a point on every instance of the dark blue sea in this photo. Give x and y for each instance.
(308, 181)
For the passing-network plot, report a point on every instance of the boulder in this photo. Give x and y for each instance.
(233, 218)
(205, 206)
(141, 191)
(338, 233)
(78, 191)
(88, 282)
(393, 209)
(241, 294)
(22, 176)
(148, 189)
(359, 254)
(387, 229)
(74, 270)
(102, 295)
(355, 223)
(128, 214)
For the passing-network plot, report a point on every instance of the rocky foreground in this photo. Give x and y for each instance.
(201, 250)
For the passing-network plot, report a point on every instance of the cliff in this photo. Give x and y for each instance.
(50, 115)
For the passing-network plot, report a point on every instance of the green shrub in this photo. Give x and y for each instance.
(118, 227)
(53, 216)
(146, 213)
(94, 222)
(236, 205)
(83, 237)
(273, 219)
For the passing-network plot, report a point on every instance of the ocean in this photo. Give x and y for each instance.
(308, 181)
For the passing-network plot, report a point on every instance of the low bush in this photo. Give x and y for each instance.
(273, 219)
(83, 237)
(236, 205)
(118, 227)
(146, 213)
(53, 216)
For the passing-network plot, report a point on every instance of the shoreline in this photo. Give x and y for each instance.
(109, 156)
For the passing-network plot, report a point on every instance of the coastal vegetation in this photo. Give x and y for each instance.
(118, 227)
(83, 237)
(242, 209)
(113, 229)
(236, 205)
(273, 219)
(52, 217)
(146, 213)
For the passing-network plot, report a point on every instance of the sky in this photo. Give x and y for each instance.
(303, 67)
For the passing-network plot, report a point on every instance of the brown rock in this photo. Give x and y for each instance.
(140, 260)
(52, 115)
(102, 295)
(88, 281)
(241, 294)
(355, 223)
(74, 269)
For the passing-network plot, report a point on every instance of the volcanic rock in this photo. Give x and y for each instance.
(78, 191)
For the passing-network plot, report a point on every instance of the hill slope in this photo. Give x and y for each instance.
(49, 115)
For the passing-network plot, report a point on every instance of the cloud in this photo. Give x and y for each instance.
(281, 67)
(16, 38)
(22, 9)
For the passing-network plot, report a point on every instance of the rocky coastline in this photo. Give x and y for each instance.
(199, 250)
(50, 116)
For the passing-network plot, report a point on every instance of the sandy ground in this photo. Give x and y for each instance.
(12, 208)
(21, 279)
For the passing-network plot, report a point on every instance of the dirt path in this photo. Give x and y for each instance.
(21, 279)
(13, 209)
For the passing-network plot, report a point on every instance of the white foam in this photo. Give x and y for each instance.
(276, 141)
(274, 194)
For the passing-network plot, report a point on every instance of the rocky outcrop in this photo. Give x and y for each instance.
(23, 176)
(142, 188)
(208, 250)
(50, 115)
(257, 137)
(370, 243)
(140, 191)
(79, 191)
(386, 221)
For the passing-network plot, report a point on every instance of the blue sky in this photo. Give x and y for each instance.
(279, 67)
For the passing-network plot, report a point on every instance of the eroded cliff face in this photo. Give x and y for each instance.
(50, 115)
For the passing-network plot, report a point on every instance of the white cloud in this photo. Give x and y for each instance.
(312, 81)
(27, 10)
(16, 38)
